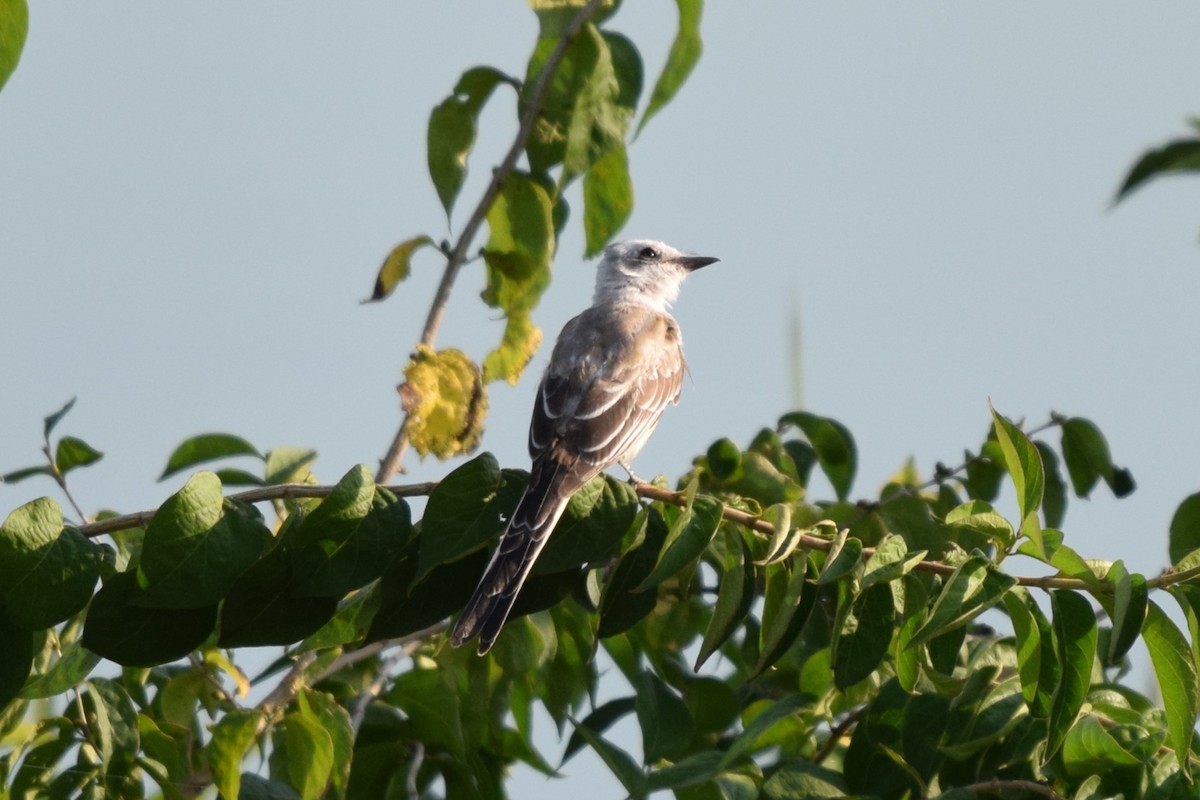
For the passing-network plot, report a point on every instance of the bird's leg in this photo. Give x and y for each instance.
(634, 478)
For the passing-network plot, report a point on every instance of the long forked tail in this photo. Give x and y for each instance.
(550, 487)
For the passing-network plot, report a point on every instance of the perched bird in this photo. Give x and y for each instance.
(613, 371)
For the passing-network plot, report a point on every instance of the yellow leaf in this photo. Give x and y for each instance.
(521, 341)
(446, 402)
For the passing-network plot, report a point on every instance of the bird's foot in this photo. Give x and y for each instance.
(634, 478)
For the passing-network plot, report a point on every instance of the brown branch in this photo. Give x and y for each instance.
(836, 735)
(760, 525)
(757, 524)
(283, 491)
(1000, 786)
(390, 464)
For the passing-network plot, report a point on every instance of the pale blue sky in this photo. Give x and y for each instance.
(195, 198)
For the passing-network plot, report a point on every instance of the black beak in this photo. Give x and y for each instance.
(693, 263)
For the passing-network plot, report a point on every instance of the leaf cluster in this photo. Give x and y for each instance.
(773, 645)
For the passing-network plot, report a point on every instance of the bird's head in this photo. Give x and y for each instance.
(644, 272)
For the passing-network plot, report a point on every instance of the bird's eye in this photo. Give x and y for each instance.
(648, 253)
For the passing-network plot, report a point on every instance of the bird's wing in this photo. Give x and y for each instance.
(604, 393)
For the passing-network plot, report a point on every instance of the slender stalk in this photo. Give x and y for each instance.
(390, 464)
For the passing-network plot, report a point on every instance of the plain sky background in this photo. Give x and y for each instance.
(194, 199)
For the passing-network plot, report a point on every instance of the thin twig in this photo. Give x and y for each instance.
(390, 464)
(283, 491)
(410, 780)
(760, 525)
(754, 523)
(836, 735)
(287, 688)
(61, 480)
(1001, 786)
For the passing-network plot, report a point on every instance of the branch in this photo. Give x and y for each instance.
(390, 464)
(283, 491)
(291, 491)
(1001, 786)
(760, 525)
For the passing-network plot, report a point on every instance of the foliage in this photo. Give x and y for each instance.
(773, 643)
(14, 26)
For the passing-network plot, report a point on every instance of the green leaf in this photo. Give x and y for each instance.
(258, 788)
(799, 779)
(72, 452)
(1054, 496)
(581, 116)
(51, 421)
(890, 561)
(687, 540)
(197, 545)
(666, 723)
(14, 25)
(619, 762)
(131, 635)
(518, 255)
(598, 722)
(207, 447)
(1086, 452)
(1185, 528)
(724, 459)
(461, 516)
(1089, 748)
(450, 139)
(1037, 662)
(1128, 610)
(607, 199)
(288, 464)
(833, 444)
(973, 587)
(452, 130)
(16, 658)
(695, 768)
(1176, 671)
(19, 475)
(734, 597)
(309, 754)
(622, 606)
(768, 717)
(865, 637)
(349, 539)
(844, 556)
(983, 474)
(74, 664)
(913, 597)
(116, 723)
(335, 720)
(47, 572)
(590, 530)
(979, 516)
(1025, 468)
(1182, 155)
(261, 609)
(685, 52)
(1075, 638)
(231, 739)
(790, 613)
(433, 708)
(406, 606)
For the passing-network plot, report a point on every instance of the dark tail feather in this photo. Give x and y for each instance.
(534, 518)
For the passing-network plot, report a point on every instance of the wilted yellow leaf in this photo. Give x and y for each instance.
(507, 362)
(446, 402)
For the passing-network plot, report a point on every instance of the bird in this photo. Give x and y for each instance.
(613, 371)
